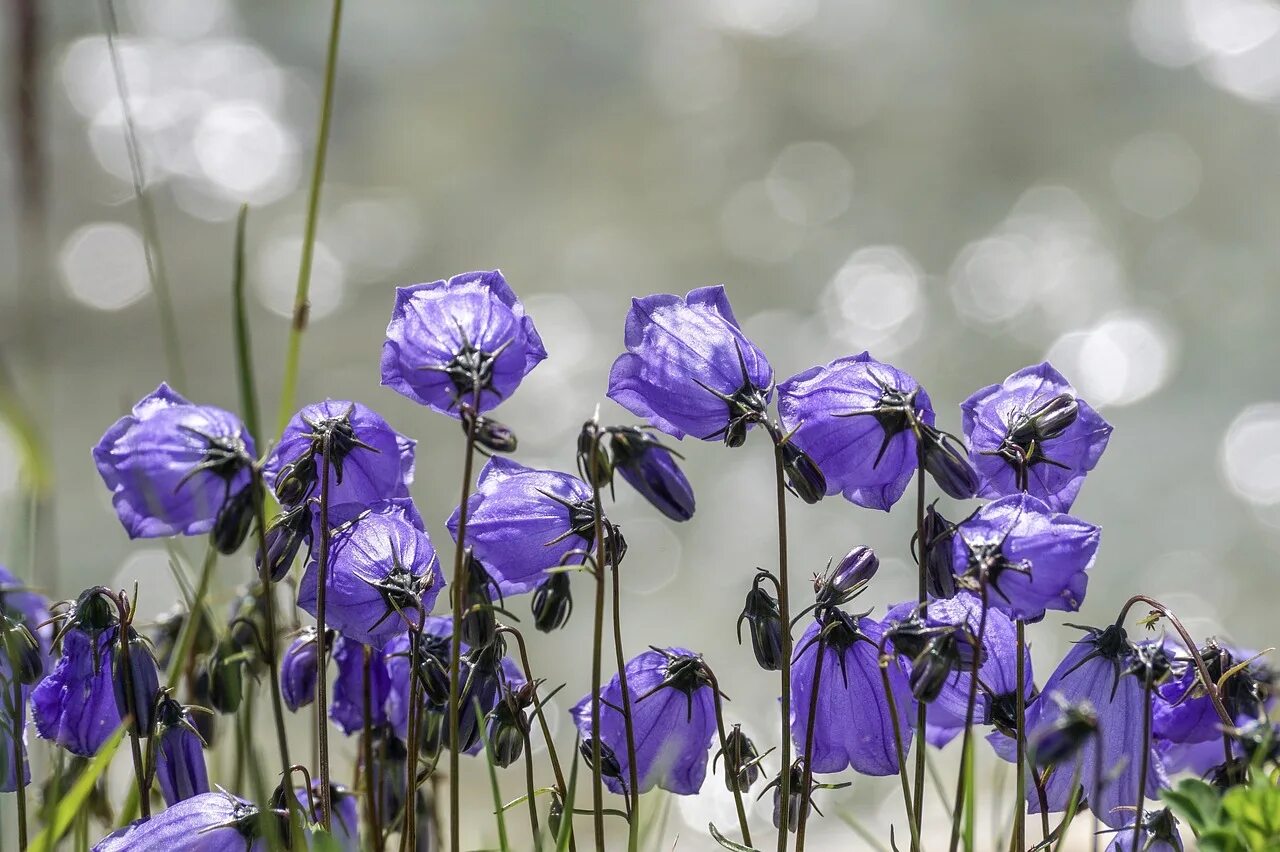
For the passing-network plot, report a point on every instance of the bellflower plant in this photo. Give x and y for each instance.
(75, 705)
(299, 668)
(689, 369)
(209, 822)
(465, 340)
(173, 466)
(180, 767)
(1032, 433)
(347, 706)
(650, 468)
(674, 719)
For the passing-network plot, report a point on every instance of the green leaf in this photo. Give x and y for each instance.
(74, 802)
(1196, 802)
(244, 346)
(726, 842)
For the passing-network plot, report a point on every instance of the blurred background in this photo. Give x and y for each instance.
(962, 189)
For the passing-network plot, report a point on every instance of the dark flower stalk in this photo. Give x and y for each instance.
(808, 737)
(887, 660)
(1020, 732)
(322, 584)
(16, 718)
(966, 745)
(784, 612)
(597, 639)
(269, 641)
(922, 707)
(126, 674)
(371, 766)
(633, 835)
(730, 766)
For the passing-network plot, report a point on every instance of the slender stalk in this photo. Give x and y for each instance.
(409, 829)
(269, 615)
(597, 782)
(1020, 712)
(19, 758)
(301, 306)
(966, 747)
(633, 778)
(784, 612)
(1097, 785)
(182, 657)
(322, 587)
(370, 765)
(885, 662)
(724, 749)
(539, 712)
(530, 794)
(807, 783)
(1042, 796)
(1142, 764)
(922, 708)
(244, 345)
(131, 705)
(455, 643)
(146, 213)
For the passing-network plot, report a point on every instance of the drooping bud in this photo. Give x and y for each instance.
(296, 480)
(137, 683)
(225, 667)
(179, 757)
(650, 468)
(1061, 739)
(935, 550)
(490, 434)
(948, 466)
(609, 766)
(479, 590)
(552, 602)
(804, 478)
(299, 669)
(286, 534)
(21, 650)
(94, 612)
(1150, 663)
(593, 459)
(850, 575)
(798, 802)
(741, 761)
(509, 724)
(765, 622)
(234, 520)
(931, 669)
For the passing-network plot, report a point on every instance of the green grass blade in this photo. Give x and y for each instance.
(566, 821)
(731, 845)
(244, 344)
(498, 811)
(74, 802)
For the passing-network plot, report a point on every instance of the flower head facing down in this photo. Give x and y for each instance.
(1031, 558)
(300, 669)
(346, 708)
(689, 369)
(857, 419)
(382, 573)
(462, 341)
(179, 754)
(673, 719)
(75, 705)
(172, 465)
(521, 522)
(651, 469)
(1158, 833)
(370, 461)
(1032, 433)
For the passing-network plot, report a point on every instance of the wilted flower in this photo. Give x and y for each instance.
(764, 622)
(852, 725)
(650, 468)
(1031, 557)
(673, 719)
(299, 669)
(689, 369)
(346, 708)
(1031, 433)
(382, 570)
(462, 341)
(1159, 833)
(1094, 673)
(209, 822)
(179, 753)
(370, 461)
(857, 419)
(522, 522)
(75, 705)
(172, 465)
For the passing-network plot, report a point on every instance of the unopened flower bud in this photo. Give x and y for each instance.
(226, 679)
(948, 466)
(1051, 419)
(286, 534)
(848, 577)
(137, 683)
(234, 520)
(22, 650)
(741, 761)
(509, 725)
(299, 669)
(930, 670)
(492, 435)
(479, 624)
(798, 802)
(552, 602)
(650, 468)
(765, 622)
(593, 458)
(935, 550)
(296, 480)
(609, 766)
(804, 478)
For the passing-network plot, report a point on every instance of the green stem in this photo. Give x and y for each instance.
(724, 750)
(269, 615)
(301, 305)
(784, 612)
(244, 344)
(180, 661)
(146, 213)
(597, 783)
(455, 643)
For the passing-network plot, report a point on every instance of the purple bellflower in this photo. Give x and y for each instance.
(382, 570)
(299, 670)
(179, 756)
(852, 725)
(1033, 558)
(75, 705)
(23, 617)
(650, 468)
(673, 718)
(1032, 433)
(522, 522)
(209, 822)
(857, 419)
(345, 825)
(370, 461)
(1159, 833)
(689, 369)
(173, 466)
(347, 707)
(1094, 673)
(462, 341)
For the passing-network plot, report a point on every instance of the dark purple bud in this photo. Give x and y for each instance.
(933, 667)
(840, 584)
(741, 761)
(226, 678)
(490, 434)
(206, 724)
(798, 800)
(22, 651)
(432, 733)
(609, 766)
(765, 622)
(433, 668)
(479, 591)
(137, 692)
(1061, 739)
(650, 468)
(296, 480)
(1150, 663)
(804, 479)
(180, 765)
(299, 668)
(1048, 421)
(593, 459)
(948, 466)
(94, 612)
(234, 520)
(286, 534)
(509, 724)
(552, 602)
(939, 573)
(615, 544)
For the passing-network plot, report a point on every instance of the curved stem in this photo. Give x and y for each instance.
(597, 782)
(784, 612)
(724, 749)
(531, 793)
(322, 680)
(1042, 795)
(455, 641)
(633, 836)
(1146, 757)
(269, 614)
(301, 307)
(806, 785)
(1020, 712)
(967, 744)
(131, 706)
(885, 662)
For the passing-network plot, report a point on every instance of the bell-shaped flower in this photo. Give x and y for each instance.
(75, 705)
(209, 822)
(179, 754)
(1032, 433)
(1094, 673)
(673, 720)
(172, 465)
(299, 670)
(651, 469)
(858, 420)
(852, 725)
(1031, 558)
(369, 461)
(382, 572)
(347, 707)
(689, 369)
(521, 522)
(462, 341)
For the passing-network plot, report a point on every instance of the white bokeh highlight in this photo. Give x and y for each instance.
(1250, 454)
(1123, 359)
(104, 266)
